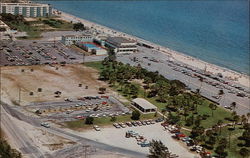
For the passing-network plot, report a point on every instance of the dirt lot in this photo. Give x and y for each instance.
(65, 79)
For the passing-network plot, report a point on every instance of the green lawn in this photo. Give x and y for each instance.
(106, 121)
(59, 25)
(233, 150)
(35, 28)
(96, 65)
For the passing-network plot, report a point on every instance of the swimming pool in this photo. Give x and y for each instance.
(91, 46)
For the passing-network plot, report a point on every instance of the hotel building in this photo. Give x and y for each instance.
(26, 9)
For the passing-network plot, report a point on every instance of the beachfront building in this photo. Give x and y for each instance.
(143, 105)
(73, 39)
(121, 45)
(92, 48)
(26, 9)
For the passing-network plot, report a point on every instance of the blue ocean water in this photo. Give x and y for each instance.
(216, 31)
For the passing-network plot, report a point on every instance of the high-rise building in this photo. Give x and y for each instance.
(26, 9)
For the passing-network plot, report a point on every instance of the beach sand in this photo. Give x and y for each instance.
(235, 77)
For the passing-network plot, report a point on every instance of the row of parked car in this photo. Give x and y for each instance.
(141, 140)
(187, 140)
(137, 123)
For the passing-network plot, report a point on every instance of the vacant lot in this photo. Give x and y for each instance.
(19, 81)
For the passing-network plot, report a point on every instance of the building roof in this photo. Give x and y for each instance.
(79, 35)
(119, 40)
(24, 4)
(144, 103)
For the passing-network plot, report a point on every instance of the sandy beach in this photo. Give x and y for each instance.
(235, 77)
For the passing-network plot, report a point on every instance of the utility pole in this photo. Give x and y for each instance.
(83, 56)
(19, 96)
(54, 41)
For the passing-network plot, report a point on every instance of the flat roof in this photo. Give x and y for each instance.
(119, 40)
(79, 35)
(144, 103)
(24, 4)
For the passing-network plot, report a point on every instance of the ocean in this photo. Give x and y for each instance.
(216, 31)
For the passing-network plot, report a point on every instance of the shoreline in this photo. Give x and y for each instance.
(233, 76)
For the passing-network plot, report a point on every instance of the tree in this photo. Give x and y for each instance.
(236, 119)
(6, 151)
(220, 149)
(243, 119)
(212, 107)
(89, 120)
(102, 90)
(113, 119)
(244, 152)
(221, 92)
(197, 131)
(158, 150)
(233, 105)
(219, 123)
(78, 27)
(211, 141)
(248, 115)
(135, 115)
(246, 135)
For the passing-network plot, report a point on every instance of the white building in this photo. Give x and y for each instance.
(121, 45)
(26, 9)
(71, 39)
(143, 105)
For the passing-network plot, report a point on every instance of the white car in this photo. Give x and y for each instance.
(45, 124)
(97, 128)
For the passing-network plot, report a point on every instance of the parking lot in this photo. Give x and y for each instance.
(35, 53)
(118, 137)
(208, 84)
(80, 108)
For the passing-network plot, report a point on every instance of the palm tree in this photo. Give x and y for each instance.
(212, 107)
(236, 119)
(221, 92)
(219, 123)
(248, 116)
(158, 150)
(233, 105)
(244, 152)
(243, 119)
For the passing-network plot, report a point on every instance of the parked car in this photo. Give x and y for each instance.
(97, 128)
(129, 124)
(79, 117)
(116, 125)
(45, 124)
(159, 120)
(122, 125)
(143, 123)
(134, 123)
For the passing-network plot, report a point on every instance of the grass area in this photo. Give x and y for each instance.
(233, 149)
(59, 25)
(218, 114)
(96, 65)
(35, 28)
(106, 121)
(31, 31)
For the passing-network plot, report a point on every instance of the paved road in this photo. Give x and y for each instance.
(24, 143)
(26, 147)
